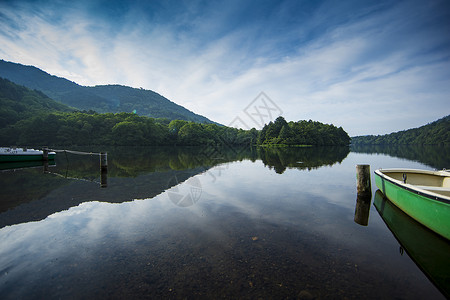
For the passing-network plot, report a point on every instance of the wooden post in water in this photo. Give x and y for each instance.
(364, 194)
(103, 169)
(45, 154)
(364, 187)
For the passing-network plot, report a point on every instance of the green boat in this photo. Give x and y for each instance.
(23, 154)
(421, 194)
(429, 251)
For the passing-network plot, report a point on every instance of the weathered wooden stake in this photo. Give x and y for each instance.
(45, 154)
(364, 194)
(364, 187)
(103, 169)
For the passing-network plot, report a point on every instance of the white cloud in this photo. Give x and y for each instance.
(352, 75)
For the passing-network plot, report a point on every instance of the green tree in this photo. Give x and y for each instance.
(128, 133)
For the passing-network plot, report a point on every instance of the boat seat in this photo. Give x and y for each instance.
(445, 191)
(434, 188)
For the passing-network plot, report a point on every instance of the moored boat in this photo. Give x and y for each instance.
(421, 194)
(23, 154)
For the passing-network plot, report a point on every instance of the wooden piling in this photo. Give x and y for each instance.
(103, 169)
(364, 187)
(103, 160)
(364, 195)
(45, 154)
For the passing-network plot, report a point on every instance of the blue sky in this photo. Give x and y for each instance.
(372, 67)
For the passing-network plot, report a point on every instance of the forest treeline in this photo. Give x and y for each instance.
(309, 132)
(30, 118)
(83, 128)
(435, 133)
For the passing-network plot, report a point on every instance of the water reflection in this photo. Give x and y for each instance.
(302, 158)
(428, 250)
(137, 173)
(434, 156)
(362, 209)
(187, 194)
(252, 234)
(11, 166)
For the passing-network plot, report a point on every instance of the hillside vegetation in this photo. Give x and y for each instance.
(79, 128)
(102, 99)
(18, 103)
(30, 118)
(435, 133)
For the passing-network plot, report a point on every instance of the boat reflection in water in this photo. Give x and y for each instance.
(429, 251)
(14, 165)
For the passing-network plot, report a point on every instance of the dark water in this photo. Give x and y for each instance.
(203, 223)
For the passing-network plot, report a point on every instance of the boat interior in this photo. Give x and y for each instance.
(435, 183)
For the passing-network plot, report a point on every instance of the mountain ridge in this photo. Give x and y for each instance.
(112, 98)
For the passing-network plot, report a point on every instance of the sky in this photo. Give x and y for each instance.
(372, 67)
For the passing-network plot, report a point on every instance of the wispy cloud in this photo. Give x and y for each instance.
(369, 68)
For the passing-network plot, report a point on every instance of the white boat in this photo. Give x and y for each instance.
(8, 154)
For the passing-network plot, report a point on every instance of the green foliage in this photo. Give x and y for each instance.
(31, 118)
(302, 133)
(435, 133)
(77, 128)
(18, 103)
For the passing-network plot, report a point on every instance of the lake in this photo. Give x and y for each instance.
(211, 223)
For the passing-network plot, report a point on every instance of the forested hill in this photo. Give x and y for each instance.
(102, 99)
(18, 103)
(435, 133)
(29, 117)
(303, 132)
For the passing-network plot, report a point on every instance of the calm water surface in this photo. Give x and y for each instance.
(176, 224)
